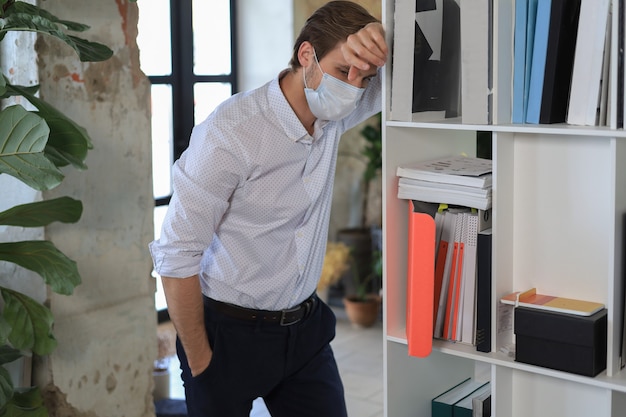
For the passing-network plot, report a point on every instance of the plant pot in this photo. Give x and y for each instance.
(362, 313)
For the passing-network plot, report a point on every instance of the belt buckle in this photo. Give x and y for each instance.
(283, 316)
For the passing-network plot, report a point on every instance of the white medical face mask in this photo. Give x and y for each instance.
(333, 99)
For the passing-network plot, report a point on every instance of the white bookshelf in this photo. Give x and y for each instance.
(559, 195)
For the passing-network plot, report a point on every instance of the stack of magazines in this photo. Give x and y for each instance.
(455, 180)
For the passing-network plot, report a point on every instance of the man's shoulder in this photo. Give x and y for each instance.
(242, 106)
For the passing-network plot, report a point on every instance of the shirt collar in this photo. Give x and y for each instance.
(287, 118)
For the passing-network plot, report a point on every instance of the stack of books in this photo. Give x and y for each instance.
(469, 398)
(562, 61)
(451, 198)
(456, 180)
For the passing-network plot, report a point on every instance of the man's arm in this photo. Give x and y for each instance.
(186, 310)
(365, 48)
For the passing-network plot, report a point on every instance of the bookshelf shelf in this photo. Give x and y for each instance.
(615, 383)
(553, 129)
(559, 225)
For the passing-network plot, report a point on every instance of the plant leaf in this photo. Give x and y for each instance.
(9, 92)
(5, 330)
(42, 257)
(9, 354)
(26, 403)
(22, 7)
(42, 213)
(6, 388)
(31, 322)
(23, 137)
(68, 143)
(19, 17)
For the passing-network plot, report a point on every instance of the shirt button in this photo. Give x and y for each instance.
(307, 180)
(299, 234)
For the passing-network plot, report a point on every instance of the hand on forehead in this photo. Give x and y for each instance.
(365, 50)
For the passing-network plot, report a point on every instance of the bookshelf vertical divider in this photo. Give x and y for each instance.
(559, 202)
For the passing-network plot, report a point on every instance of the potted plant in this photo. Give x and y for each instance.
(363, 307)
(364, 239)
(33, 146)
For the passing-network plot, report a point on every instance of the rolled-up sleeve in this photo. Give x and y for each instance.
(203, 181)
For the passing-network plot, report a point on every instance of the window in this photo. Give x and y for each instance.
(187, 50)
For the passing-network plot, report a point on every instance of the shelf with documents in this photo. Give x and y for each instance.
(559, 203)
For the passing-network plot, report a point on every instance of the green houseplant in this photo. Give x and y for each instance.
(360, 300)
(33, 146)
(363, 306)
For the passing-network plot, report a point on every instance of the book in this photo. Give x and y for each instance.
(403, 50)
(412, 189)
(481, 402)
(523, 38)
(534, 300)
(448, 234)
(420, 283)
(483, 291)
(439, 187)
(538, 61)
(560, 51)
(588, 62)
(465, 406)
(554, 46)
(436, 57)
(442, 405)
(519, 60)
(427, 56)
(459, 170)
(440, 260)
(602, 118)
(468, 324)
(450, 70)
(454, 282)
(530, 42)
(476, 37)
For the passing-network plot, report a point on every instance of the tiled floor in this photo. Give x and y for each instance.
(359, 354)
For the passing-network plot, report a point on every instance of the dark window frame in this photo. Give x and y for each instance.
(182, 79)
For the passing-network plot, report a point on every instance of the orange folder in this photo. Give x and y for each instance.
(420, 282)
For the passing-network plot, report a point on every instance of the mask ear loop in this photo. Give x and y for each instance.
(318, 64)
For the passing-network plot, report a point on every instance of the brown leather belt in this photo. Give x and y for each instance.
(285, 317)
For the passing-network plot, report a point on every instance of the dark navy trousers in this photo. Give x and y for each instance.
(291, 367)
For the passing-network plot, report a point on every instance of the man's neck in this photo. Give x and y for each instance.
(292, 87)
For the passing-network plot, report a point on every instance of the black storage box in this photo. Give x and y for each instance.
(561, 341)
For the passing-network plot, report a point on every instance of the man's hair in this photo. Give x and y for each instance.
(330, 25)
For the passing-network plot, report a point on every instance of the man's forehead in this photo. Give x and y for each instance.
(336, 57)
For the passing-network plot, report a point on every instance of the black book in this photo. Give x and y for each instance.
(483, 292)
(560, 52)
(436, 81)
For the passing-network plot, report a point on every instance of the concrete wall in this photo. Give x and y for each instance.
(107, 328)
(263, 53)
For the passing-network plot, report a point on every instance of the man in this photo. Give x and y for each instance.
(243, 242)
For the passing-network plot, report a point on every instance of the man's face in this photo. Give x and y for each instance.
(334, 64)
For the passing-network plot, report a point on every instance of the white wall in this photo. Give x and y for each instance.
(265, 40)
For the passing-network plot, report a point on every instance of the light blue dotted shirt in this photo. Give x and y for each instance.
(252, 198)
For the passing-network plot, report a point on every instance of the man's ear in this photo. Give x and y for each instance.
(306, 54)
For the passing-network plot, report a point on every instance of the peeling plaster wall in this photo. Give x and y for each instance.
(107, 328)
